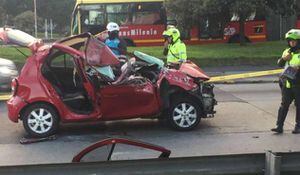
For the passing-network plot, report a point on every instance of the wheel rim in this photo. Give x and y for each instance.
(40, 120)
(184, 115)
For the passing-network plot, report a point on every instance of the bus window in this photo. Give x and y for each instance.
(92, 17)
(254, 16)
(118, 13)
(92, 14)
(210, 28)
(148, 13)
(258, 29)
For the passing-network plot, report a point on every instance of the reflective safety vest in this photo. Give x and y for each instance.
(294, 62)
(176, 52)
(113, 45)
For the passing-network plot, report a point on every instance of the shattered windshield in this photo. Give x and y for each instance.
(149, 59)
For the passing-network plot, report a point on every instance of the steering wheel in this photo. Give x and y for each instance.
(137, 65)
(123, 58)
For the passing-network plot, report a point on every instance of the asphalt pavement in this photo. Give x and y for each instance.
(245, 115)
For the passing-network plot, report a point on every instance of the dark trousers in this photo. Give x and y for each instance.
(288, 95)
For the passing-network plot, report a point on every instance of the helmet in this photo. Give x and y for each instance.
(293, 34)
(170, 26)
(173, 33)
(112, 26)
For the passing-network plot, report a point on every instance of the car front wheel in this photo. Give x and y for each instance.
(40, 120)
(184, 114)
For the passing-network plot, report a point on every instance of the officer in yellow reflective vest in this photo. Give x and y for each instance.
(175, 49)
(290, 79)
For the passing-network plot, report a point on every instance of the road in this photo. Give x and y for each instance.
(245, 115)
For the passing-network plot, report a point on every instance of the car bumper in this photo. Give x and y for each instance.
(14, 106)
(206, 95)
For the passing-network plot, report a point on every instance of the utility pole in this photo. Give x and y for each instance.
(35, 19)
(51, 29)
(46, 28)
(280, 26)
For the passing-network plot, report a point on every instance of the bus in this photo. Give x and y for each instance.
(143, 22)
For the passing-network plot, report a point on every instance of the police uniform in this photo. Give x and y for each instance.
(176, 50)
(290, 87)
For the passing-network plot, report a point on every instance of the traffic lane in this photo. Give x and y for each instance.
(265, 97)
(253, 92)
(238, 127)
(10, 132)
(234, 114)
(181, 144)
(232, 117)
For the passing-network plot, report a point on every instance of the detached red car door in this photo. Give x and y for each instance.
(120, 101)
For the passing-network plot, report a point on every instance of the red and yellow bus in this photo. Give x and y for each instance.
(143, 22)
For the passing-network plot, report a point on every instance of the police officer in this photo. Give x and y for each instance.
(174, 48)
(290, 82)
(116, 44)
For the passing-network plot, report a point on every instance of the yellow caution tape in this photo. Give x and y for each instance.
(245, 75)
(4, 97)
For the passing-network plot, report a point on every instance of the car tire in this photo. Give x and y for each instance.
(184, 114)
(40, 120)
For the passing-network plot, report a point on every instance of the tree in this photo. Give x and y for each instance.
(185, 12)
(243, 9)
(15, 7)
(2, 16)
(59, 11)
(218, 14)
(218, 10)
(189, 13)
(284, 8)
(25, 21)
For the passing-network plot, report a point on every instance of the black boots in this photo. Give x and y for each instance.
(279, 130)
(296, 130)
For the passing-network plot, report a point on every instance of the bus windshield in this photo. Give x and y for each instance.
(98, 15)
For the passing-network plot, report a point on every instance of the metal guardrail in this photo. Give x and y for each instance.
(243, 164)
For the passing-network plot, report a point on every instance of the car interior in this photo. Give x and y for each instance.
(61, 71)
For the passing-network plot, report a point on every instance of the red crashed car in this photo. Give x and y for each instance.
(79, 79)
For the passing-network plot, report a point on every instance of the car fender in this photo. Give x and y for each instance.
(176, 78)
(171, 81)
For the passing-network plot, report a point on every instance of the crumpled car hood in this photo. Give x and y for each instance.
(193, 70)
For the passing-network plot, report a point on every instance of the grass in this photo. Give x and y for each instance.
(12, 54)
(207, 55)
(229, 54)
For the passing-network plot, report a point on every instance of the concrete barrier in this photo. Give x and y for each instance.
(268, 163)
